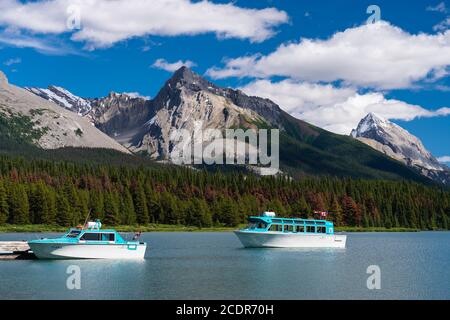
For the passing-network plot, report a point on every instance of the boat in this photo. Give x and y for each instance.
(89, 242)
(270, 231)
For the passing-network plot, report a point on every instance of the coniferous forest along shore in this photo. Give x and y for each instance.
(51, 194)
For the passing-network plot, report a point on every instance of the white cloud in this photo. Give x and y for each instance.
(376, 55)
(171, 67)
(51, 46)
(443, 25)
(444, 159)
(12, 61)
(105, 22)
(335, 109)
(440, 7)
(136, 95)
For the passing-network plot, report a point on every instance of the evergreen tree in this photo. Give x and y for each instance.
(50, 196)
(300, 208)
(336, 213)
(18, 205)
(96, 204)
(197, 213)
(63, 210)
(127, 209)
(39, 206)
(170, 208)
(140, 205)
(4, 211)
(37, 191)
(111, 209)
(227, 212)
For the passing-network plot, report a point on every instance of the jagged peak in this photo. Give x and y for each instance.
(370, 121)
(184, 73)
(375, 118)
(186, 77)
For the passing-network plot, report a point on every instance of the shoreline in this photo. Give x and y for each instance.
(9, 228)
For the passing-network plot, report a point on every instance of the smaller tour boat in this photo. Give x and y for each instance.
(270, 231)
(90, 242)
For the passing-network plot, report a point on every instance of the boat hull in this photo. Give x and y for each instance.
(269, 239)
(87, 251)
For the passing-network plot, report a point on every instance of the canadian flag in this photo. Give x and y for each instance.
(322, 213)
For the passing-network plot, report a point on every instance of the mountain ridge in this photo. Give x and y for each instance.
(144, 126)
(46, 124)
(396, 142)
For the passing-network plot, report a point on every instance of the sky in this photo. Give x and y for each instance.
(327, 62)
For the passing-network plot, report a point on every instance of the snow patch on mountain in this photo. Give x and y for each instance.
(60, 127)
(64, 98)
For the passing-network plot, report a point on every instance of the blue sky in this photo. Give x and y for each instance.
(99, 57)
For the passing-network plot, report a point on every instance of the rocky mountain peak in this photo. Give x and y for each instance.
(188, 79)
(63, 98)
(48, 122)
(398, 143)
(371, 121)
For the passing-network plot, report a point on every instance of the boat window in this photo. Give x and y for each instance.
(276, 227)
(251, 225)
(310, 229)
(320, 230)
(91, 236)
(108, 237)
(300, 228)
(73, 234)
(261, 225)
(288, 228)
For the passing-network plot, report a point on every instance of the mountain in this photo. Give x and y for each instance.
(27, 118)
(398, 143)
(94, 109)
(64, 98)
(144, 126)
(184, 100)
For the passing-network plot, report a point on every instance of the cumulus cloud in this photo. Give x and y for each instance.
(171, 67)
(335, 109)
(105, 22)
(377, 55)
(444, 159)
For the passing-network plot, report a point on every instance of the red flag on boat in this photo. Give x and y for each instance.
(322, 213)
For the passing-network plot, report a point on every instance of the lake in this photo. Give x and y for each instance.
(189, 265)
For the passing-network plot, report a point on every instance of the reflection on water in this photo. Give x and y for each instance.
(215, 266)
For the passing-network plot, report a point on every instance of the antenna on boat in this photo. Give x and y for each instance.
(87, 218)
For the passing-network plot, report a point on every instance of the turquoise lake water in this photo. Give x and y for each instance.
(215, 266)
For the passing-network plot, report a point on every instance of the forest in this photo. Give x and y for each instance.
(62, 192)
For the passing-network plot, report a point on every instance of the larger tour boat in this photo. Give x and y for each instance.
(270, 231)
(91, 242)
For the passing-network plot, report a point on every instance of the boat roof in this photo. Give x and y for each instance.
(94, 230)
(65, 239)
(289, 220)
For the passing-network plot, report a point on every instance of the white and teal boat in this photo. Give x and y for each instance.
(270, 231)
(91, 242)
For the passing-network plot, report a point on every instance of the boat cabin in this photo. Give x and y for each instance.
(268, 222)
(92, 234)
(82, 235)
